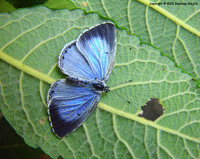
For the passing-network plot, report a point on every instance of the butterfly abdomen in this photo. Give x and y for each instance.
(78, 81)
(97, 86)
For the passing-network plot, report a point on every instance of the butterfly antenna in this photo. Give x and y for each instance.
(121, 97)
(118, 94)
(122, 83)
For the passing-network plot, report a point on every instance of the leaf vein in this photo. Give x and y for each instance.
(89, 141)
(119, 137)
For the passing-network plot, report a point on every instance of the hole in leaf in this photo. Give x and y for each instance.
(41, 121)
(152, 109)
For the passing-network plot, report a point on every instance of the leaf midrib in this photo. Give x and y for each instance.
(41, 76)
(19, 65)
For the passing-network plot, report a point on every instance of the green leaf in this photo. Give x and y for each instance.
(5, 6)
(57, 4)
(175, 29)
(30, 43)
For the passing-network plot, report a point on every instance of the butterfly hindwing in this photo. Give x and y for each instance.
(69, 106)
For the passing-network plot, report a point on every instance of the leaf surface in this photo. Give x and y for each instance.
(30, 43)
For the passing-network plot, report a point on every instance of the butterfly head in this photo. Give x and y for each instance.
(106, 89)
(100, 86)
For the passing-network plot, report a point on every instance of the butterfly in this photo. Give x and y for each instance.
(88, 62)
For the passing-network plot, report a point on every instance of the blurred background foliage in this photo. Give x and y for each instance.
(11, 5)
(12, 146)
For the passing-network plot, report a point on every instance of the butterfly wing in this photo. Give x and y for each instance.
(69, 106)
(92, 55)
(98, 45)
(72, 62)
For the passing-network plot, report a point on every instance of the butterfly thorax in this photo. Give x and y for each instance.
(95, 85)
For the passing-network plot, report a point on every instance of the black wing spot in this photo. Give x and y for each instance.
(63, 57)
(52, 91)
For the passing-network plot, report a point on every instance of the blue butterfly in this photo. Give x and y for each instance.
(88, 62)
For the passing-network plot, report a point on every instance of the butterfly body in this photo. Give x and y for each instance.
(88, 62)
(95, 85)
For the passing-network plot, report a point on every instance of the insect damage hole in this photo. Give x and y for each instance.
(152, 109)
